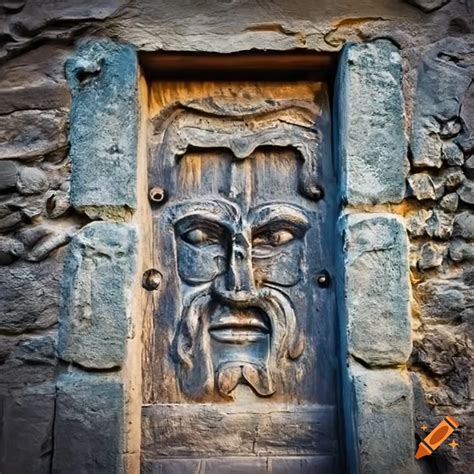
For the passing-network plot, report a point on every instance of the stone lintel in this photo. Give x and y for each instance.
(97, 295)
(104, 126)
(371, 121)
(377, 289)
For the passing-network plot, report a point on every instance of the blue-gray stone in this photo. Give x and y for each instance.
(371, 142)
(89, 430)
(384, 421)
(26, 428)
(104, 123)
(440, 90)
(377, 291)
(96, 297)
(30, 294)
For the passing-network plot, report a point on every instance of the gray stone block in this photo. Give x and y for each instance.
(431, 255)
(97, 291)
(104, 123)
(384, 420)
(466, 192)
(372, 143)
(27, 134)
(440, 225)
(30, 294)
(26, 359)
(432, 119)
(460, 251)
(89, 424)
(424, 186)
(441, 301)
(464, 225)
(377, 289)
(26, 429)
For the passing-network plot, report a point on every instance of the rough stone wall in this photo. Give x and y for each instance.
(441, 227)
(35, 223)
(36, 218)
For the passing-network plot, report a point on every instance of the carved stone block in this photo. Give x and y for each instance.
(371, 137)
(104, 123)
(97, 295)
(377, 292)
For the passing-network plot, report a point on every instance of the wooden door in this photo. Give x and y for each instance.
(240, 366)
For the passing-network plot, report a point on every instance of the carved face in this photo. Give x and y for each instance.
(237, 319)
(243, 190)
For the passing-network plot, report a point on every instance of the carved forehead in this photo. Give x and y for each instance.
(205, 125)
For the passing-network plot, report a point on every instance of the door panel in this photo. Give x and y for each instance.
(240, 359)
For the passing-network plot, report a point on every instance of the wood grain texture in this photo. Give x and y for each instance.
(216, 430)
(243, 465)
(240, 238)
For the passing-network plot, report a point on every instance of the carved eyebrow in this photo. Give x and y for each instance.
(218, 211)
(201, 219)
(279, 213)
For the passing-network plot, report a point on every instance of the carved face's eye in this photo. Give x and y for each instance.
(276, 238)
(267, 242)
(200, 236)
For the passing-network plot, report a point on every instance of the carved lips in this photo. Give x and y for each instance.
(239, 328)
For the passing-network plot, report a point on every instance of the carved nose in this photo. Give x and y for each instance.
(240, 275)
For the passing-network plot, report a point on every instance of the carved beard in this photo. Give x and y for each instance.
(198, 376)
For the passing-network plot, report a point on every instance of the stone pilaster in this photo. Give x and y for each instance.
(96, 320)
(97, 299)
(372, 150)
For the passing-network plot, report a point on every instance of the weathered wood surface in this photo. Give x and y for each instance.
(243, 465)
(216, 430)
(242, 187)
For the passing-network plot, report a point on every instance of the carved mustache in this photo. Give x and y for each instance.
(191, 339)
(285, 335)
